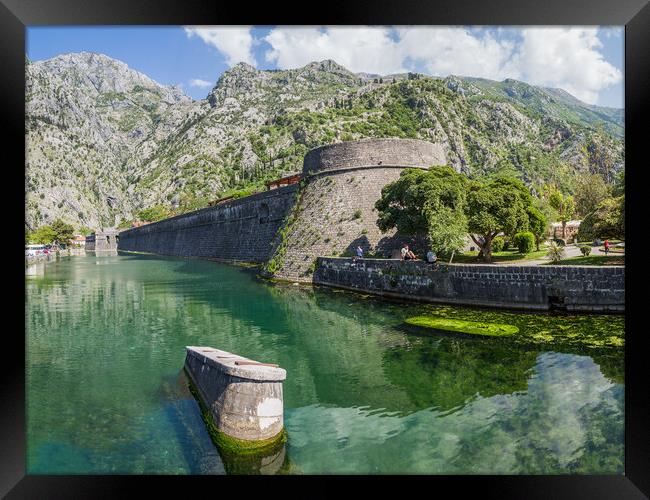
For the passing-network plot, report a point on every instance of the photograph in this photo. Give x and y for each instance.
(327, 250)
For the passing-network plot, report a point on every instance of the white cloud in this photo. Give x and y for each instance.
(360, 49)
(197, 82)
(567, 58)
(234, 43)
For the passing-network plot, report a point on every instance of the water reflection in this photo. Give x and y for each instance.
(105, 345)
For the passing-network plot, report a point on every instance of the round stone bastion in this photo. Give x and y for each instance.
(374, 153)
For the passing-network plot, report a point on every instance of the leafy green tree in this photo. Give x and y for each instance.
(497, 206)
(426, 203)
(154, 213)
(619, 184)
(64, 232)
(44, 235)
(537, 224)
(606, 221)
(591, 189)
(564, 206)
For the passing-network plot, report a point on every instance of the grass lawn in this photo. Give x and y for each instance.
(591, 260)
(505, 256)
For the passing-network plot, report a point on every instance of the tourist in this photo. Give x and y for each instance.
(407, 254)
(359, 254)
(431, 257)
(404, 251)
(606, 245)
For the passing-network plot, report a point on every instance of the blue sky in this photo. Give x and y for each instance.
(586, 61)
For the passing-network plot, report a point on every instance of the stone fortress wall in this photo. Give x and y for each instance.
(336, 208)
(240, 230)
(332, 212)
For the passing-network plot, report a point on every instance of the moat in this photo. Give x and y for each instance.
(364, 394)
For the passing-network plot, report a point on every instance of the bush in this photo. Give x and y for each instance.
(357, 214)
(555, 252)
(585, 249)
(525, 242)
(498, 244)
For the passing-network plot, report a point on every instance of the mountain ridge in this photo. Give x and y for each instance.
(105, 140)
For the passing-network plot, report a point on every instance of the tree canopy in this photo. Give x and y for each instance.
(426, 203)
(500, 205)
(606, 221)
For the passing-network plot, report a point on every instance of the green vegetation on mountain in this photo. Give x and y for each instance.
(104, 141)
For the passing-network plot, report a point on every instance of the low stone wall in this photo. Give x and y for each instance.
(245, 400)
(574, 288)
(238, 230)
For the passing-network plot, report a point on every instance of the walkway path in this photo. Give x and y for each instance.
(569, 251)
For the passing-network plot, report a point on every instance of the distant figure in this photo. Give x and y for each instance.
(606, 245)
(407, 254)
(431, 257)
(359, 252)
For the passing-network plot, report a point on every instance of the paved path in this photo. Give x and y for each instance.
(569, 251)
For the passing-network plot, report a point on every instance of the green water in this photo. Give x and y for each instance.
(364, 392)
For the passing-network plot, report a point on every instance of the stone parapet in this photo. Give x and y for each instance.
(572, 288)
(368, 153)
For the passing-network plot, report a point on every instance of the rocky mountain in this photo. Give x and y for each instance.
(104, 141)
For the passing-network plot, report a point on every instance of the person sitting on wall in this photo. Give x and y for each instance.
(407, 254)
(431, 257)
(359, 254)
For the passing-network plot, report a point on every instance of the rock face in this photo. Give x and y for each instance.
(104, 141)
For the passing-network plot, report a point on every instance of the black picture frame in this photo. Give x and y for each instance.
(15, 15)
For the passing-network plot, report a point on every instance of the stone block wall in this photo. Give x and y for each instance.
(239, 230)
(374, 153)
(574, 288)
(336, 209)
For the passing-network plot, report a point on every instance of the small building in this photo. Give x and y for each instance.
(284, 181)
(102, 241)
(569, 232)
(78, 241)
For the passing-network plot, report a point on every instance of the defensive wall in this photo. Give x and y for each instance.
(288, 227)
(335, 210)
(236, 230)
(102, 241)
(573, 288)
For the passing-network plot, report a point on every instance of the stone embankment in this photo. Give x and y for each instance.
(572, 288)
(244, 397)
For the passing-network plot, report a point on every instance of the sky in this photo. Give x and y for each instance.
(586, 61)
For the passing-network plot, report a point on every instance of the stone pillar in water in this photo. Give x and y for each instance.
(243, 398)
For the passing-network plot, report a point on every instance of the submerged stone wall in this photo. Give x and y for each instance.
(574, 288)
(238, 230)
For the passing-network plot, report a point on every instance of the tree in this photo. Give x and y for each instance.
(426, 203)
(497, 206)
(607, 221)
(153, 214)
(537, 224)
(619, 184)
(44, 235)
(63, 231)
(590, 191)
(564, 206)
